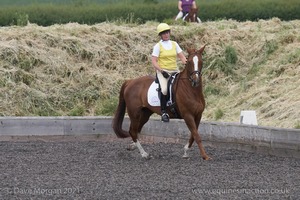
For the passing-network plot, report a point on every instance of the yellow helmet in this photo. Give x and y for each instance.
(162, 27)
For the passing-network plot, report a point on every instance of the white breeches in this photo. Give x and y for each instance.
(179, 15)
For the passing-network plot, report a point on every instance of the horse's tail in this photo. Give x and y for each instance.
(119, 115)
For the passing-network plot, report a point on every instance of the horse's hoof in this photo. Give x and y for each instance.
(146, 156)
(131, 147)
(207, 158)
(185, 156)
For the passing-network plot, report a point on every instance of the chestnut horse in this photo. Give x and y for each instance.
(189, 103)
(192, 16)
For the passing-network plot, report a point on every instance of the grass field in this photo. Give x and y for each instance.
(28, 2)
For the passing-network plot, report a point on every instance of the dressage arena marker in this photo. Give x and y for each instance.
(248, 117)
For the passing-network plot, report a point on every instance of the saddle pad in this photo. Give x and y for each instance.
(152, 95)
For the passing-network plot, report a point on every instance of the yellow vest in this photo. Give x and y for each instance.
(167, 58)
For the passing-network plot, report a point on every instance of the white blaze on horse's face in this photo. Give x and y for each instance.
(196, 68)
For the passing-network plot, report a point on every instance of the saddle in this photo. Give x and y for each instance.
(170, 94)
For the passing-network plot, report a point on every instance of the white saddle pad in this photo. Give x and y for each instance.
(152, 95)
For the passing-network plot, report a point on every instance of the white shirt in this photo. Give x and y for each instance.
(167, 45)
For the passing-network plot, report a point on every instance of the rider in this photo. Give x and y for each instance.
(164, 60)
(184, 7)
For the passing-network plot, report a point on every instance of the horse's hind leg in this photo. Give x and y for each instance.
(135, 127)
(142, 151)
(133, 132)
(188, 146)
(144, 118)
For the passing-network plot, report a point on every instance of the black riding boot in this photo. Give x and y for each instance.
(163, 105)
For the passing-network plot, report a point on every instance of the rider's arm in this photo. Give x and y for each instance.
(155, 63)
(154, 58)
(182, 58)
(179, 5)
(180, 54)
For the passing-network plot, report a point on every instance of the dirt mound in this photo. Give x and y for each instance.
(77, 69)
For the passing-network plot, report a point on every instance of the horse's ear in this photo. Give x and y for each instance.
(202, 49)
(190, 50)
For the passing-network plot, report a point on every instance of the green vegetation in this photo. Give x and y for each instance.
(76, 2)
(46, 12)
(211, 90)
(225, 62)
(297, 126)
(218, 114)
(108, 106)
(230, 55)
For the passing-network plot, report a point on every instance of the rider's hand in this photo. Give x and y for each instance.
(165, 74)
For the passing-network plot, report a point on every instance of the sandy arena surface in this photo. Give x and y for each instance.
(106, 170)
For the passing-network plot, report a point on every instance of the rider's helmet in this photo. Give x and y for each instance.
(162, 27)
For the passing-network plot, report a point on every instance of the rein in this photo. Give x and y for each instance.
(195, 83)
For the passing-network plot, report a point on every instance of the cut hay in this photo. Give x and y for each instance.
(75, 69)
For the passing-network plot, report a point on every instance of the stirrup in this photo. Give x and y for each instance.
(165, 117)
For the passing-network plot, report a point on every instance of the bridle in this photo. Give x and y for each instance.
(197, 73)
(195, 83)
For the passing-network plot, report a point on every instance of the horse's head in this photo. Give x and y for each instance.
(194, 11)
(193, 66)
(192, 15)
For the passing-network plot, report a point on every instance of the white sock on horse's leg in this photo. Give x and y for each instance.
(199, 20)
(142, 151)
(186, 148)
(131, 146)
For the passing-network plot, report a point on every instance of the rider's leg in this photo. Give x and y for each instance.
(163, 100)
(164, 114)
(185, 14)
(179, 15)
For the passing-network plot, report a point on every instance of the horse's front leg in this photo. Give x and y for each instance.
(188, 146)
(200, 145)
(196, 136)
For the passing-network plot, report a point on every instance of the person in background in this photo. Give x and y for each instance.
(184, 7)
(164, 61)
